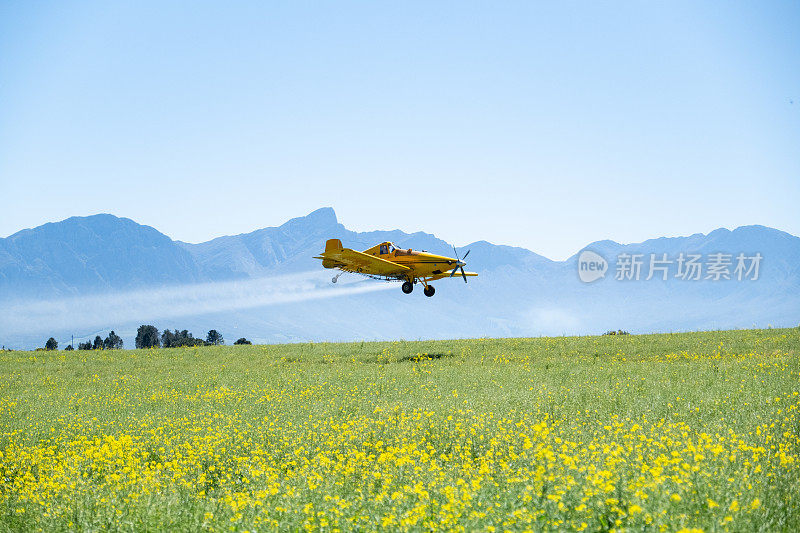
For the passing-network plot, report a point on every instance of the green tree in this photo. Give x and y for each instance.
(168, 338)
(69, 348)
(147, 337)
(214, 337)
(173, 339)
(189, 341)
(242, 341)
(112, 342)
(85, 345)
(98, 343)
(51, 344)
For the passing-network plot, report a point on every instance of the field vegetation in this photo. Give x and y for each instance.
(618, 432)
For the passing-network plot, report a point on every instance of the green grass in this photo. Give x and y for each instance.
(636, 432)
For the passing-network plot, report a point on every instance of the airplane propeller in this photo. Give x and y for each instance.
(460, 264)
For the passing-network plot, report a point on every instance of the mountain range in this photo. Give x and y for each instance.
(87, 275)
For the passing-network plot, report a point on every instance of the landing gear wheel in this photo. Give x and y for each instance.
(408, 287)
(429, 291)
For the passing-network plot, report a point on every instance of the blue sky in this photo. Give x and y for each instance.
(543, 125)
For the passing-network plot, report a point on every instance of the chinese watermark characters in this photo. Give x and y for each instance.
(690, 267)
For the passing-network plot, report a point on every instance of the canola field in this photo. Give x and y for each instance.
(696, 431)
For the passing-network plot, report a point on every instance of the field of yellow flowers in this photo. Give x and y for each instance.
(636, 433)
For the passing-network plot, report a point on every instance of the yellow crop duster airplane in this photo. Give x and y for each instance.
(388, 262)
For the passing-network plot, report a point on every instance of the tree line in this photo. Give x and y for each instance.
(112, 342)
(148, 336)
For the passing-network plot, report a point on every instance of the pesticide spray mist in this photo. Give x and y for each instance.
(81, 313)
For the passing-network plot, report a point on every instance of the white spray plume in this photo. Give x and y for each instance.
(176, 301)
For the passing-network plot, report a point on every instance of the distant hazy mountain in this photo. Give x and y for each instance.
(291, 247)
(265, 285)
(96, 253)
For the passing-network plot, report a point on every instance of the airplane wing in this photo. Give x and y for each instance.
(444, 275)
(353, 261)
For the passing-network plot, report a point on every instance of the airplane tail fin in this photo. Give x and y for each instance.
(333, 245)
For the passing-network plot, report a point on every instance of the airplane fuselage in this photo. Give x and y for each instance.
(422, 264)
